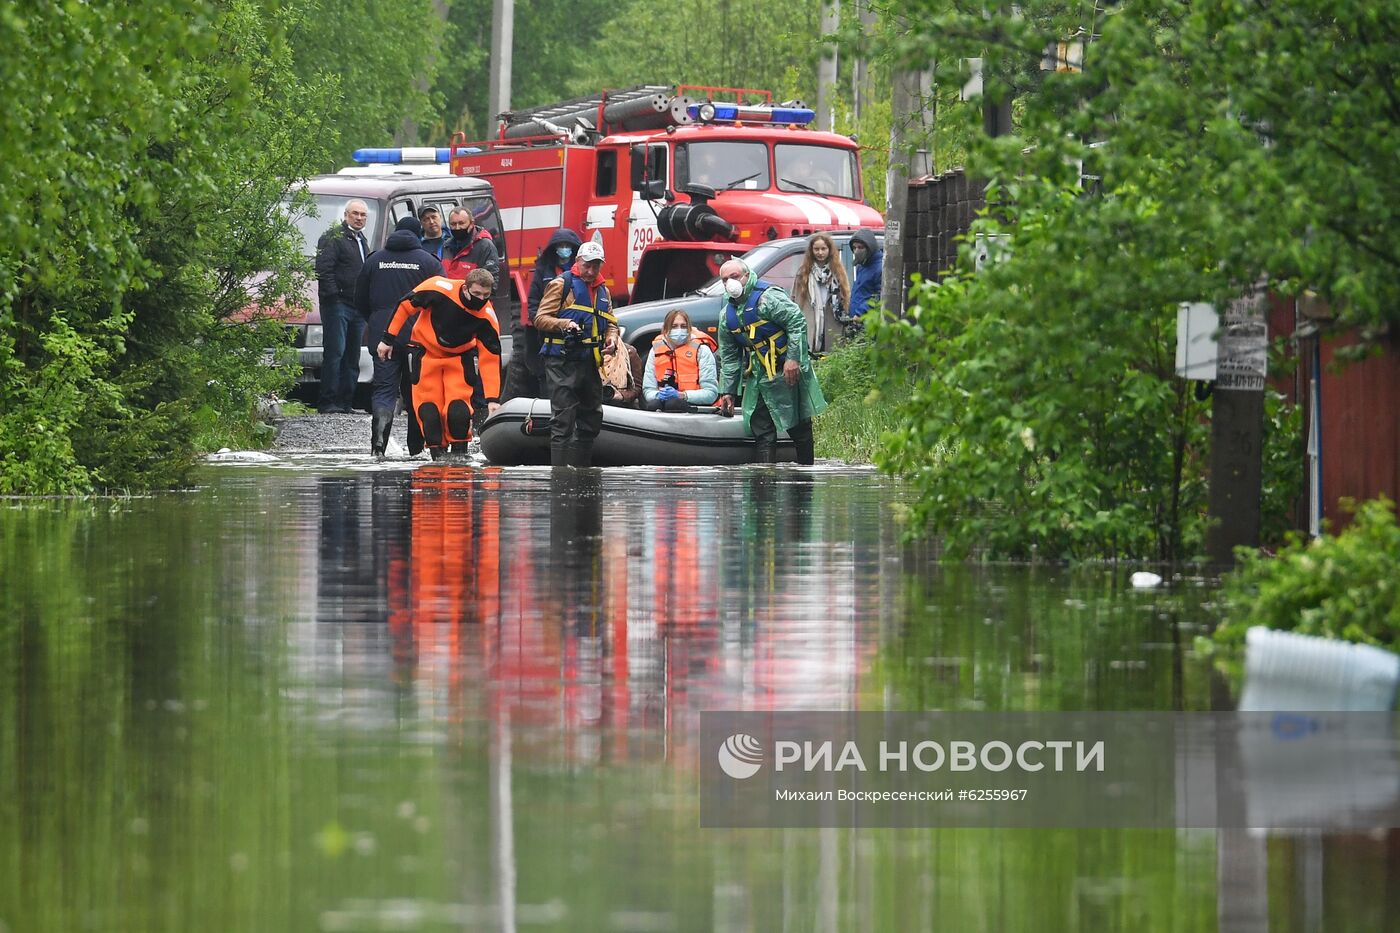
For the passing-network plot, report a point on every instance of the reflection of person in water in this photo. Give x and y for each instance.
(364, 525)
(777, 516)
(450, 576)
(576, 574)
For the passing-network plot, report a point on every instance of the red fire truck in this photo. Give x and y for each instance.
(672, 182)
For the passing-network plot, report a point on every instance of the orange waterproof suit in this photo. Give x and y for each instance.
(454, 361)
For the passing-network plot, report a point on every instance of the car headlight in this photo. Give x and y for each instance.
(313, 335)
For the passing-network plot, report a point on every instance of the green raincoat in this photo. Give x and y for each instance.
(789, 405)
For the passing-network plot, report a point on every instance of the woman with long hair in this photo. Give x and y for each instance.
(680, 369)
(822, 290)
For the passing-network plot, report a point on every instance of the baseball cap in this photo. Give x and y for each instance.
(590, 251)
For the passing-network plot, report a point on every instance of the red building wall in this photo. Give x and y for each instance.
(1360, 426)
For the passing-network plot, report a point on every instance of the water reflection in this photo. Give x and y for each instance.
(468, 699)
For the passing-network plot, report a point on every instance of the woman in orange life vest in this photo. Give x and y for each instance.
(454, 358)
(680, 369)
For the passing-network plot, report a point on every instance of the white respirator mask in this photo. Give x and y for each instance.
(733, 287)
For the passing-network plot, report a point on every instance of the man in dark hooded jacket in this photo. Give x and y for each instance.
(870, 267)
(525, 372)
(388, 275)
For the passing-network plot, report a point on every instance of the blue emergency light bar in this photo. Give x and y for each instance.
(400, 156)
(710, 112)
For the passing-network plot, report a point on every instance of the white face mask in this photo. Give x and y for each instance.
(733, 287)
(678, 334)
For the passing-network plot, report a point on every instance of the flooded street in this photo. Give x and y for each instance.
(323, 695)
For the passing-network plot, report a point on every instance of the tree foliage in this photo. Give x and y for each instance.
(381, 60)
(1339, 586)
(1235, 143)
(144, 155)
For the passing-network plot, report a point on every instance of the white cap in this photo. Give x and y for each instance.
(590, 251)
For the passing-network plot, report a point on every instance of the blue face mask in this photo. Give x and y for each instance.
(678, 334)
(565, 252)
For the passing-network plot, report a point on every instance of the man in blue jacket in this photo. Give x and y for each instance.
(870, 267)
(388, 275)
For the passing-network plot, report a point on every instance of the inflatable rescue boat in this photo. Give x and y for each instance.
(519, 434)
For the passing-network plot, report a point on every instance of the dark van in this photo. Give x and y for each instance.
(389, 197)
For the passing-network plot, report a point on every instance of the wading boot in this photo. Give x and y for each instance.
(437, 453)
(580, 454)
(765, 453)
(461, 448)
(806, 449)
(558, 454)
(381, 425)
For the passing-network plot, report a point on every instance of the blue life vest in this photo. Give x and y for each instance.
(761, 339)
(592, 313)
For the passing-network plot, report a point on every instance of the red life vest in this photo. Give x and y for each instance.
(684, 360)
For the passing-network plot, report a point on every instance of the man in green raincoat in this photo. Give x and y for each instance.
(763, 347)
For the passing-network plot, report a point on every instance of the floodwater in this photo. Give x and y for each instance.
(326, 697)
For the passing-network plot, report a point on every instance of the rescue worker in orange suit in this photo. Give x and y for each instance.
(578, 329)
(680, 369)
(449, 336)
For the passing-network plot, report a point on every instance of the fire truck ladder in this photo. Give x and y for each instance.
(645, 107)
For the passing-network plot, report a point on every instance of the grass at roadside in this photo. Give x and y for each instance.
(862, 406)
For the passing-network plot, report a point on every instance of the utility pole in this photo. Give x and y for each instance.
(907, 130)
(826, 68)
(1237, 427)
(502, 37)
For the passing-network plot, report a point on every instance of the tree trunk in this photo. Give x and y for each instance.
(862, 92)
(408, 129)
(826, 67)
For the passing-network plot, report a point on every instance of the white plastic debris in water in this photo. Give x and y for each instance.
(1287, 671)
(240, 456)
(1145, 580)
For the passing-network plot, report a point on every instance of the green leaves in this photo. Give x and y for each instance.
(1338, 586)
(144, 156)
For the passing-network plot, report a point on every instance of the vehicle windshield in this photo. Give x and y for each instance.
(723, 165)
(325, 210)
(759, 259)
(816, 170)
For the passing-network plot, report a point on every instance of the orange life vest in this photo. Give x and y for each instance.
(684, 360)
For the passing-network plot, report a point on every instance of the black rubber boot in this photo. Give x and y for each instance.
(558, 454)
(379, 430)
(461, 448)
(765, 453)
(437, 453)
(579, 454)
(806, 449)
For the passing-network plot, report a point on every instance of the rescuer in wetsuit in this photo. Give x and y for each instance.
(448, 332)
(578, 329)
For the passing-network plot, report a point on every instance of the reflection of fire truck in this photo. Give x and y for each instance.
(633, 167)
